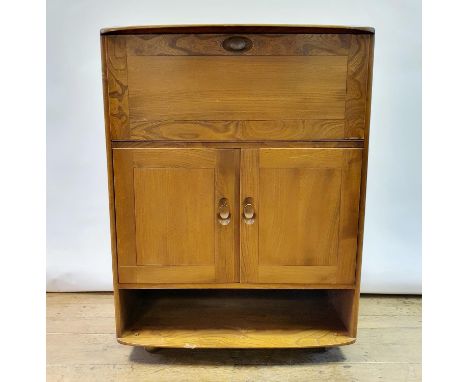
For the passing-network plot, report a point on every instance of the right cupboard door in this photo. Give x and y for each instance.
(299, 215)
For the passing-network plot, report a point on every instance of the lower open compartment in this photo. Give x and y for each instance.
(235, 318)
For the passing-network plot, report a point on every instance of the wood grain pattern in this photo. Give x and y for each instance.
(362, 202)
(173, 226)
(236, 88)
(274, 130)
(343, 303)
(167, 274)
(166, 221)
(235, 145)
(300, 158)
(237, 28)
(297, 88)
(343, 103)
(227, 236)
(350, 198)
(80, 326)
(95, 305)
(262, 367)
(307, 216)
(236, 319)
(249, 188)
(117, 87)
(236, 285)
(197, 124)
(174, 158)
(293, 201)
(124, 205)
(262, 45)
(119, 318)
(356, 85)
(302, 274)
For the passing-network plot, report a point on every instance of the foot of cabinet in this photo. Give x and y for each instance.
(151, 349)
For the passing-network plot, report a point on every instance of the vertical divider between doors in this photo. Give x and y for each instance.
(249, 187)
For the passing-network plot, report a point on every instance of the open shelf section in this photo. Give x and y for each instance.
(232, 319)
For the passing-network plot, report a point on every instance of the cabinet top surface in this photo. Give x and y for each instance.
(236, 28)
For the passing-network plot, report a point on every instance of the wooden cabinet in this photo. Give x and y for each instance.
(237, 158)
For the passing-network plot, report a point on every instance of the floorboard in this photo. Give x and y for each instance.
(81, 346)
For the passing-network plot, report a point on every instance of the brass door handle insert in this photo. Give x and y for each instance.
(224, 212)
(248, 212)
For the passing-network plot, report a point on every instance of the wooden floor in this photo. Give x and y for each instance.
(81, 346)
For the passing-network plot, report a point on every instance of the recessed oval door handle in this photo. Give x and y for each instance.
(248, 212)
(224, 212)
(237, 44)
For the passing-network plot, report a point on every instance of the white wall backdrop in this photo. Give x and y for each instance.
(78, 241)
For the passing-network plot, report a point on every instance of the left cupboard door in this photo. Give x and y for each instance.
(176, 215)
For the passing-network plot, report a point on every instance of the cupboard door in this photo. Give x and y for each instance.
(176, 215)
(299, 212)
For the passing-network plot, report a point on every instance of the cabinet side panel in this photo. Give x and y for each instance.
(362, 204)
(344, 303)
(110, 177)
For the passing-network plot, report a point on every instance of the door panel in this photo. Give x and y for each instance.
(288, 234)
(166, 206)
(306, 203)
(172, 229)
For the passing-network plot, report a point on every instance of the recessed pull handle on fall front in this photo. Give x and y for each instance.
(237, 44)
(224, 213)
(248, 212)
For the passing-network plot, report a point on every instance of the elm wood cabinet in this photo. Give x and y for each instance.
(237, 160)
